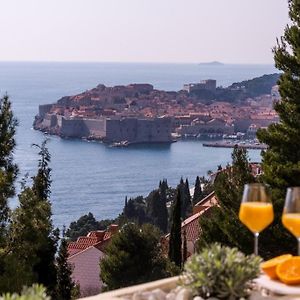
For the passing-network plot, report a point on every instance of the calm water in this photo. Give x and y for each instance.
(90, 176)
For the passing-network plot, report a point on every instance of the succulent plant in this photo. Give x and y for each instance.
(36, 292)
(221, 272)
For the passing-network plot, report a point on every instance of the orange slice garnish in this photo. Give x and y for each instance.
(289, 270)
(269, 266)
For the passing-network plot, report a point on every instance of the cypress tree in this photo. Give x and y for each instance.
(184, 252)
(65, 284)
(280, 161)
(187, 197)
(197, 191)
(129, 209)
(163, 187)
(125, 207)
(186, 204)
(183, 206)
(157, 211)
(175, 254)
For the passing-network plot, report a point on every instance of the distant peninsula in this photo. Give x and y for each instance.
(139, 113)
(211, 63)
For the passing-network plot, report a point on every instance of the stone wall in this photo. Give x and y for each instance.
(133, 130)
(96, 127)
(205, 129)
(44, 109)
(74, 128)
(138, 130)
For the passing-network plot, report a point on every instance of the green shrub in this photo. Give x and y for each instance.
(36, 292)
(221, 272)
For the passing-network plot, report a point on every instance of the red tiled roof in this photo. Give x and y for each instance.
(87, 241)
(98, 239)
(99, 234)
(209, 200)
(191, 225)
(107, 235)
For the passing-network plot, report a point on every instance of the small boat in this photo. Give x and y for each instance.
(120, 144)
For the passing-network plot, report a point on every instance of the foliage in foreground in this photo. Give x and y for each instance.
(65, 283)
(36, 292)
(222, 224)
(33, 240)
(134, 256)
(221, 272)
(281, 161)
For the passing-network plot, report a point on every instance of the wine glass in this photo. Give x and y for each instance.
(291, 213)
(256, 210)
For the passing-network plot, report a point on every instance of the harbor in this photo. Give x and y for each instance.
(232, 144)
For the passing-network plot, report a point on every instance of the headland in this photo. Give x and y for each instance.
(138, 113)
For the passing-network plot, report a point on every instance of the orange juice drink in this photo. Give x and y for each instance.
(292, 222)
(256, 215)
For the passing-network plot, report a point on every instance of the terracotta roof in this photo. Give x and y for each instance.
(99, 234)
(99, 239)
(87, 241)
(107, 235)
(191, 225)
(209, 200)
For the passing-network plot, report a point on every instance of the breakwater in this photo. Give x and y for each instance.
(222, 144)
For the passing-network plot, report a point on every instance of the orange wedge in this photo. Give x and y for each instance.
(289, 270)
(269, 266)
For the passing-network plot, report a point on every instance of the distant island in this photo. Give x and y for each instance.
(138, 113)
(211, 63)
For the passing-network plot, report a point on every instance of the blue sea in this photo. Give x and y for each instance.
(89, 176)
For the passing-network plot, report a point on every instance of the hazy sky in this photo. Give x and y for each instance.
(232, 31)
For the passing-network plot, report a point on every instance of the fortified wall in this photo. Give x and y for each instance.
(139, 130)
(115, 129)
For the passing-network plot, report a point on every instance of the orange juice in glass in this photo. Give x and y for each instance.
(291, 213)
(256, 210)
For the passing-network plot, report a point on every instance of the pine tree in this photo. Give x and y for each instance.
(175, 254)
(280, 161)
(8, 170)
(82, 226)
(65, 283)
(8, 174)
(197, 191)
(45, 268)
(33, 239)
(222, 224)
(133, 256)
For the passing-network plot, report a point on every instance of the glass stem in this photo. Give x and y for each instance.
(256, 234)
(298, 246)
